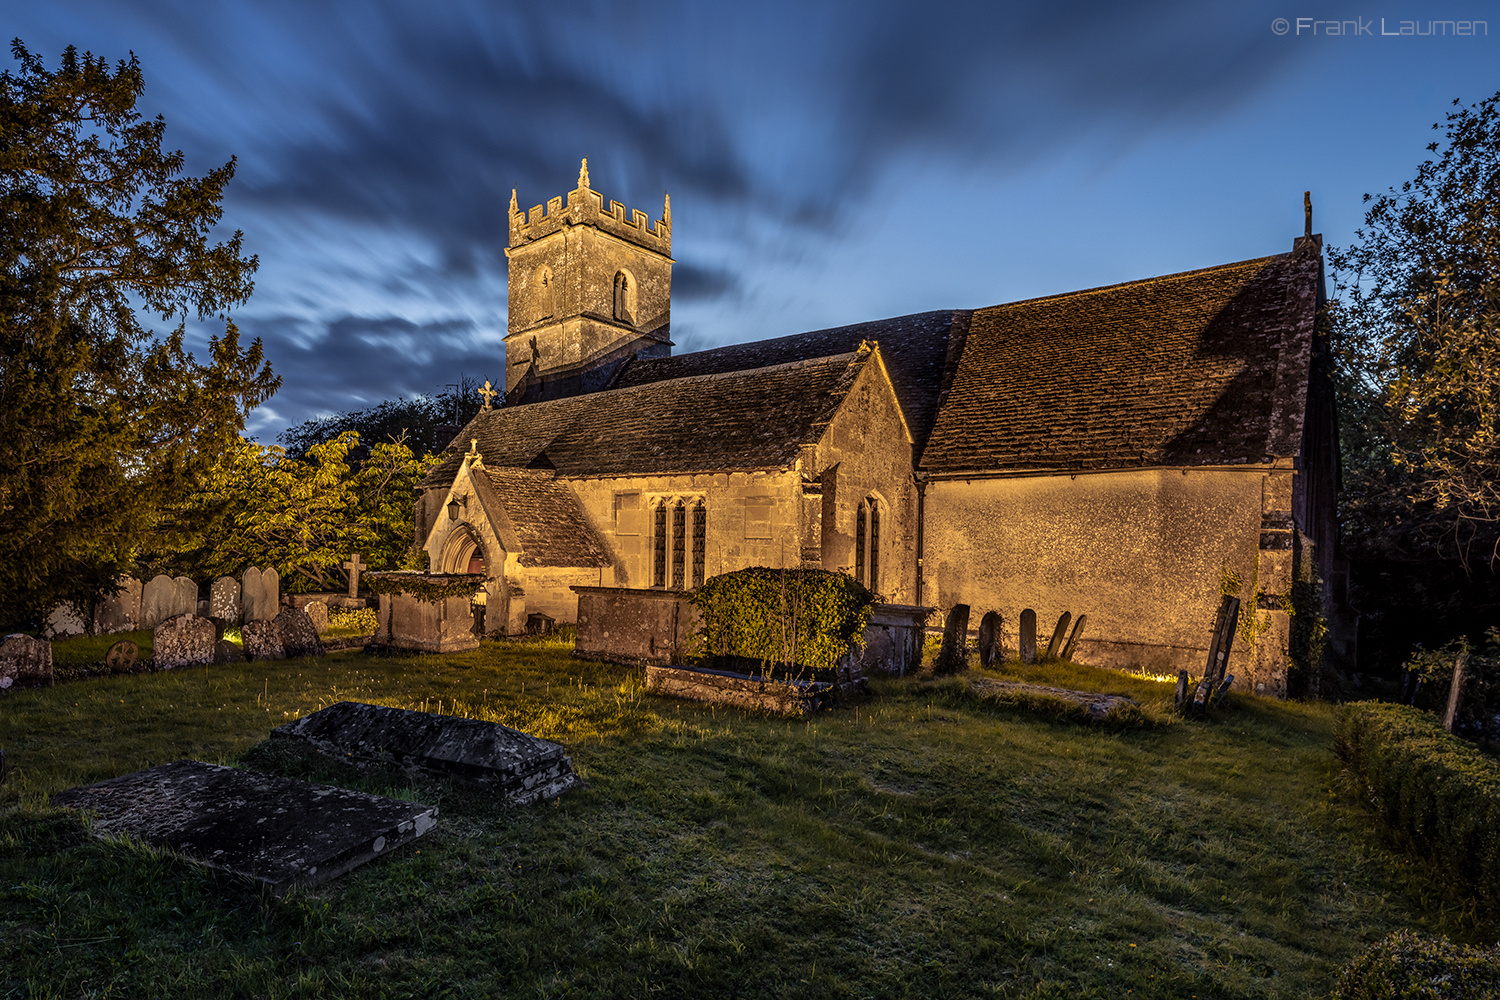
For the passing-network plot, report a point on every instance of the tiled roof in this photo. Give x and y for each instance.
(916, 350)
(754, 419)
(550, 525)
(1206, 367)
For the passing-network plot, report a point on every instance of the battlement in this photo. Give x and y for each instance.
(585, 206)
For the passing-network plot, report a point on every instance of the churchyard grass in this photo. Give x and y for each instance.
(921, 843)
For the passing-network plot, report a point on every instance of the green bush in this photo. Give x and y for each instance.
(806, 617)
(1429, 787)
(1411, 967)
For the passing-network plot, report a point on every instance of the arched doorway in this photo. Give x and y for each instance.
(464, 553)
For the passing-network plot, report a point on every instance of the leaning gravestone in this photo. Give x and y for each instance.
(250, 591)
(120, 612)
(278, 831)
(158, 600)
(1058, 634)
(298, 636)
(989, 635)
(954, 654)
(224, 600)
(1028, 636)
(64, 621)
(25, 661)
(183, 641)
(318, 612)
(184, 597)
(1067, 652)
(262, 640)
(522, 768)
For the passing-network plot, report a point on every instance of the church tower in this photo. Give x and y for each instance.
(589, 289)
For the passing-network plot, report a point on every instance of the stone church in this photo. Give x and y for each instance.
(1121, 451)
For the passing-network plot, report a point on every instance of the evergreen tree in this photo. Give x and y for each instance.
(102, 421)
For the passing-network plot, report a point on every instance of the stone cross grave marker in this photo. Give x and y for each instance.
(1067, 652)
(354, 566)
(183, 641)
(278, 831)
(224, 600)
(157, 601)
(954, 654)
(120, 611)
(1055, 646)
(1028, 636)
(522, 768)
(989, 646)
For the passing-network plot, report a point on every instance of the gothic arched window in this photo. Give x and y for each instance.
(625, 297)
(867, 543)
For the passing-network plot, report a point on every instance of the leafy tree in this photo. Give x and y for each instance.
(1418, 337)
(419, 421)
(259, 506)
(101, 421)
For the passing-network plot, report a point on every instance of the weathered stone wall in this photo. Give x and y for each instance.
(866, 452)
(1139, 552)
(549, 589)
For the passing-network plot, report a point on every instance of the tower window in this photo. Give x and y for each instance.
(625, 297)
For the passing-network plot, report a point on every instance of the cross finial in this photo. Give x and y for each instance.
(583, 174)
(488, 393)
(1307, 212)
(473, 449)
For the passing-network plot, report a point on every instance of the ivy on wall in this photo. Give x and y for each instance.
(429, 588)
(806, 617)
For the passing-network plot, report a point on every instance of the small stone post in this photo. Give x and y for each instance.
(1028, 636)
(989, 639)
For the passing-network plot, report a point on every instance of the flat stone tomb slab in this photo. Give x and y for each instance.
(278, 831)
(524, 768)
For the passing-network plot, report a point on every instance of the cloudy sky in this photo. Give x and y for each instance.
(828, 162)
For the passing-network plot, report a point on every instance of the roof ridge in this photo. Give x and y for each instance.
(1136, 281)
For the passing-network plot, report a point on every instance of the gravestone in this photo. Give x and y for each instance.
(228, 652)
(25, 661)
(522, 768)
(294, 627)
(250, 596)
(120, 612)
(184, 597)
(1028, 636)
(157, 601)
(354, 566)
(262, 640)
(278, 831)
(1182, 688)
(224, 600)
(270, 592)
(183, 641)
(1067, 652)
(64, 621)
(954, 654)
(1055, 646)
(989, 645)
(1225, 622)
(316, 610)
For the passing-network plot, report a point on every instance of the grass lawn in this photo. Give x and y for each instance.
(923, 843)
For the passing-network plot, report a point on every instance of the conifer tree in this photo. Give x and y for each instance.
(102, 420)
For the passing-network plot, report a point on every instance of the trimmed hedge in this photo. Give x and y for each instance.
(1430, 787)
(1412, 967)
(803, 618)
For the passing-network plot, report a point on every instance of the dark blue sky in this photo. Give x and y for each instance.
(828, 162)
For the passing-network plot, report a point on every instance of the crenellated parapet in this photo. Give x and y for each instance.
(585, 206)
